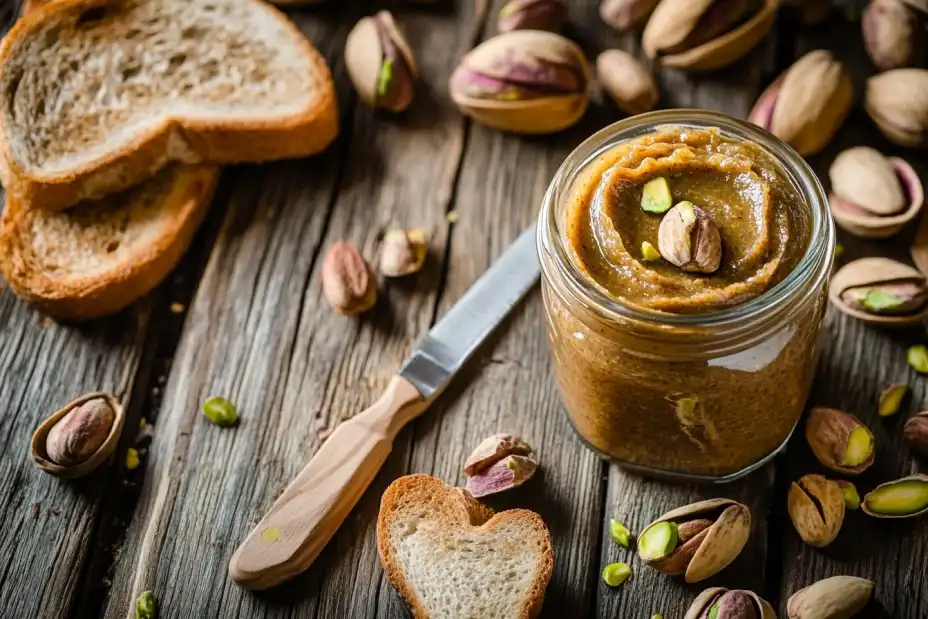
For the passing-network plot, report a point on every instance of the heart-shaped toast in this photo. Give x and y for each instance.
(451, 557)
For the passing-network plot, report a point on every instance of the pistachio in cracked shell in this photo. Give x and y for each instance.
(697, 540)
(895, 34)
(525, 81)
(721, 603)
(626, 14)
(816, 507)
(532, 15)
(880, 291)
(627, 82)
(689, 239)
(873, 196)
(380, 63)
(706, 34)
(806, 104)
(838, 597)
(897, 101)
(839, 440)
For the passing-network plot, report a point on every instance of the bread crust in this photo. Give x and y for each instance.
(463, 511)
(76, 298)
(214, 141)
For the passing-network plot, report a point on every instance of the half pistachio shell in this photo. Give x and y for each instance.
(673, 22)
(525, 81)
(380, 63)
(721, 543)
(40, 436)
(897, 101)
(865, 272)
(901, 498)
(704, 601)
(838, 597)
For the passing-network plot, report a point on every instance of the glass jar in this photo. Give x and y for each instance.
(705, 396)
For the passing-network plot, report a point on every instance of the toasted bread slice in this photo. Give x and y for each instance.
(451, 558)
(98, 95)
(100, 256)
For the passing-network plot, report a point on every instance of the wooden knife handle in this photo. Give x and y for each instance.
(314, 505)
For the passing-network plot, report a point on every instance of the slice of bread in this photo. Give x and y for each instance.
(98, 95)
(452, 558)
(100, 256)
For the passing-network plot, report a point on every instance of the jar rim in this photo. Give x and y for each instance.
(813, 267)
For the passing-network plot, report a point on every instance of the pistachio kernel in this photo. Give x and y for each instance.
(901, 498)
(615, 574)
(655, 196)
(132, 459)
(619, 532)
(859, 447)
(649, 253)
(220, 412)
(891, 399)
(851, 497)
(145, 607)
(917, 356)
(659, 540)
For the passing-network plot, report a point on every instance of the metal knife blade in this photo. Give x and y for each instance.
(452, 341)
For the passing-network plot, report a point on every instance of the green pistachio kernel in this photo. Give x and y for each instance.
(655, 196)
(615, 574)
(851, 497)
(918, 358)
(687, 212)
(132, 459)
(145, 606)
(658, 540)
(903, 497)
(891, 399)
(859, 447)
(649, 253)
(220, 412)
(383, 79)
(714, 612)
(618, 532)
(881, 301)
(839, 249)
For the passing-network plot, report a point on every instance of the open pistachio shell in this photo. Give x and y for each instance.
(673, 20)
(40, 436)
(365, 56)
(721, 545)
(704, 601)
(900, 498)
(872, 271)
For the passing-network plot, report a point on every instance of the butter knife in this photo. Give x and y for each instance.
(306, 516)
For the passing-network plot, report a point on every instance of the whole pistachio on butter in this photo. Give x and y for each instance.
(627, 82)
(897, 101)
(880, 291)
(915, 432)
(871, 195)
(838, 597)
(532, 15)
(706, 34)
(901, 498)
(380, 63)
(894, 34)
(697, 540)
(347, 280)
(625, 14)
(839, 440)
(806, 104)
(688, 238)
(721, 603)
(525, 81)
(403, 252)
(816, 507)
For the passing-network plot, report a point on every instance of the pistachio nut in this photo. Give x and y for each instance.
(380, 63)
(649, 253)
(626, 14)
(619, 532)
(615, 574)
(78, 438)
(915, 432)
(891, 399)
(851, 496)
(894, 35)
(816, 507)
(403, 252)
(347, 280)
(493, 449)
(145, 606)
(897, 101)
(697, 540)
(525, 81)
(808, 12)
(901, 498)
(689, 239)
(721, 603)
(627, 82)
(917, 358)
(807, 103)
(880, 291)
(838, 597)
(220, 412)
(706, 34)
(839, 440)
(532, 15)
(506, 474)
(871, 195)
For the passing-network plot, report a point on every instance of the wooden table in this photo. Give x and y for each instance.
(243, 317)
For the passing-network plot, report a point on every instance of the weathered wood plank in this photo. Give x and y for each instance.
(857, 363)
(260, 333)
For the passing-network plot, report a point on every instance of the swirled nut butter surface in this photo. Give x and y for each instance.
(684, 221)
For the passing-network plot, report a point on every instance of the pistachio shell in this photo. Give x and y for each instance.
(863, 175)
(897, 101)
(700, 606)
(838, 597)
(918, 5)
(891, 35)
(673, 20)
(867, 507)
(532, 15)
(625, 14)
(627, 82)
(816, 507)
(365, 55)
(869, 271)
(40, 436)
(828, 432)
(723, 542)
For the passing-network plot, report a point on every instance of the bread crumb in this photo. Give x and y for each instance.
(177, 308)
(452, 216)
